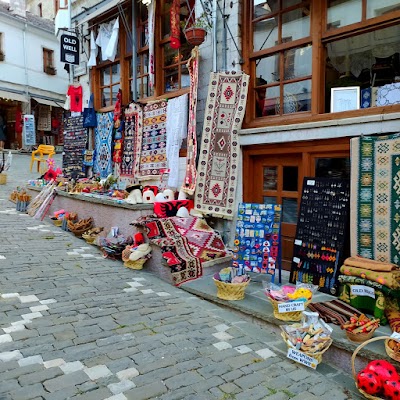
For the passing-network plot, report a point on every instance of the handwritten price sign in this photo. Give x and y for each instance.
(302, 358)
(361, 290)
(290, 307)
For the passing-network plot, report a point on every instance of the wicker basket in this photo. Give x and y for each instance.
(3, 178)
(230, 291)
(138, 264)
(395, 355)
(57, 222)
(289, 316)
(353, 357)
(360, 337)
(317, 355)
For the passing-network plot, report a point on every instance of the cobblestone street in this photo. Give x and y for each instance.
(76, 325)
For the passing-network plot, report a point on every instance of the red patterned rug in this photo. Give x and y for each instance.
(185, 243)
(219, 153)
(132, 140)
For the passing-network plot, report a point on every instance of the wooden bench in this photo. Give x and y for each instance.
(39, 155)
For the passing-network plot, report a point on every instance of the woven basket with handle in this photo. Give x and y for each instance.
(353, 358)
(289, 316)
(230, 291)
(391, 350)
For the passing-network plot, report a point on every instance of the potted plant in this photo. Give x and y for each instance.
(196, 31)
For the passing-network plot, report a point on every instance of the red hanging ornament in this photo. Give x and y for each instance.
(174, 15)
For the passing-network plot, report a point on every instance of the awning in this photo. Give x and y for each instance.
(48, 102)
(13, 96)
(100, 10)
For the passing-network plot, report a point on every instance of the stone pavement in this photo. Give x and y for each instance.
(77, 326)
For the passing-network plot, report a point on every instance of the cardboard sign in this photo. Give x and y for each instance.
(291, 307)
(302, 358)
(361, 290)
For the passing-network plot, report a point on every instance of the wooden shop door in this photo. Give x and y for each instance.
(278, 180)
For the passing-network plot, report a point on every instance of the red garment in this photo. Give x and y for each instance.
(75, 96)
(174, 15)
(18, 120)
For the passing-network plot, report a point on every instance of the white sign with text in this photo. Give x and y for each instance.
(361, 290)
(291, 307)
(302, 358)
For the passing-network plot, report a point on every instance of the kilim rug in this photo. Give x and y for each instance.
(375, 190)
(153, 159)
(219, 152)
(185, 243)
(189, 182)
(335, 311)
(132, 140)
(102, 139)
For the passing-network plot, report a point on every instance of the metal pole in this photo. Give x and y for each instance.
(214, 36)
(134, 53)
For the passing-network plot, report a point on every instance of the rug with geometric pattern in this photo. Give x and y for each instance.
(218, 162)
(103, 139)
(375, 198)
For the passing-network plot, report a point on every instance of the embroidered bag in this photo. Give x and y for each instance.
(89, 115)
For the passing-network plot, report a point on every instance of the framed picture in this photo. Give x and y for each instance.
(345, 98)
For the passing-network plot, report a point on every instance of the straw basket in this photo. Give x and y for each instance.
(360, 337)
(317, 355)
(138, 264)
(289, 316)
(56, 222)
(392, 353)
(3, 178)
(353, 357)
(230, 291)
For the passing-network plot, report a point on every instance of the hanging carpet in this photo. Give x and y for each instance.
(189, 182)
(375, 190)
(219, 152)
(75, 138)
(153, 159)
(103, 139)
(132, 140)
(185, 243)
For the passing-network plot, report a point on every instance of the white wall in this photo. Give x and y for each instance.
(23, 64)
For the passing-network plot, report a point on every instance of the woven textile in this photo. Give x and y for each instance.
(75, 138)
(132, 140)
(218, 160)
(103, 139)
(153, 159)
(185, 243)
(44, 118)
(375, 190)
(189, 182)
(176, 126)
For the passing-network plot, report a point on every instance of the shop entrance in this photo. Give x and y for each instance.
(274, 175)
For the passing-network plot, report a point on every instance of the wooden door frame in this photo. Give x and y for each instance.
(308, 149)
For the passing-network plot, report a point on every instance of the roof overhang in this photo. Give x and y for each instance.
(47, 102)
(13, 96)
(97, 10)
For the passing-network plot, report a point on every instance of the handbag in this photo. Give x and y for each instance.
(89, 115)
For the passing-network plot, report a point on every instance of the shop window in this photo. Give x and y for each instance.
(294, 62)
(48, 62)
(110, 78)
(282, 57)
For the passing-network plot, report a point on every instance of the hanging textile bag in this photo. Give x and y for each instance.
(89, 115)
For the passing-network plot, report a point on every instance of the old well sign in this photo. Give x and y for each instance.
(69, 49)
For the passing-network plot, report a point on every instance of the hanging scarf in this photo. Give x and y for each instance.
(93, 51)
(175, 22)
(151, 14)
(177, 125)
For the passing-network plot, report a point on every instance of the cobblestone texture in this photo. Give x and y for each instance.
(95, 340)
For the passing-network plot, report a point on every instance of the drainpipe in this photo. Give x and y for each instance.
(214, 36)
(224, 39)
(28, 110)
(134, 53)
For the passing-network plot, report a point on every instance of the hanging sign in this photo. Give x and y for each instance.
(302, 358)
(69, 49)
(29, 135)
